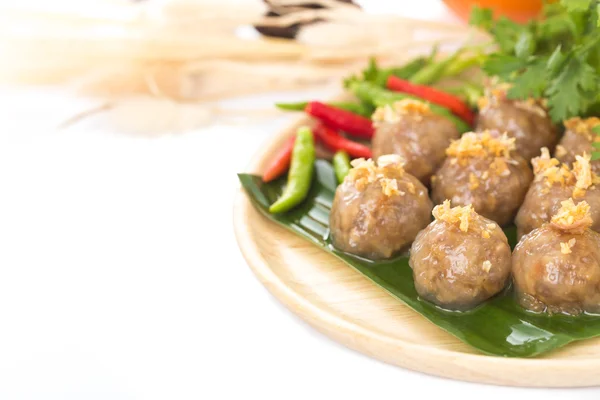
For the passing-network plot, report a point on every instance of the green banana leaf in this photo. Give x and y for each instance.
(498, 327)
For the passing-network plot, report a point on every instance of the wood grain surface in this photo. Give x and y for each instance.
(344, 305)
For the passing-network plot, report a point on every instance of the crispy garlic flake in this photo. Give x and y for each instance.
(560, 151)
(393, 112)
(458, 215)
(482, 145)
(390, 159)
(487, 265)
(390, 187)
(533, 106)
(585, 177)
(583, 126)
(572, 217)
(365, 172)
(496, 92)
(565, 247)
(552, 171)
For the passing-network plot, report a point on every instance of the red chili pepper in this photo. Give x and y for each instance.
(281, 161)
(353, 124)
(453, 103)
(334, 142)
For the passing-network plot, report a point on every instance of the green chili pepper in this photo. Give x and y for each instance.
(300, 106)
(470, 92)
(379, 76)
(462, 64)
(409, 69)
(433, 72)
(341, 165)
(404, 72)
(373, 94)
(357, 108)
(460, 124)
(380, 97)
(300, 174)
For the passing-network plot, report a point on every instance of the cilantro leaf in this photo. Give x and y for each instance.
(503, 65)
(556, 60)
(525, 45)
(372, 71)
(506, 34)
(569, 93)
(576, 5)
(530, 83)
(551, 9)
(481, 17)
(559, 27)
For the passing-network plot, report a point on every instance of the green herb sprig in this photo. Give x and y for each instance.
(557, 57)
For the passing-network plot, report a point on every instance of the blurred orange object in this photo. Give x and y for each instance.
(517, 10)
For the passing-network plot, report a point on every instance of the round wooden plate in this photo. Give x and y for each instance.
(344, 305)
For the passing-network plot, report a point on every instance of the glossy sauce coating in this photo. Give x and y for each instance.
(553, 184)
(529, 125)
(542, 202)
(547, 280)
(495, 186)
(458, 270)
(420, 139)
(577, 140)
(366, 222)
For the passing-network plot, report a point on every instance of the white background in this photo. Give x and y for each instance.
(120, 277)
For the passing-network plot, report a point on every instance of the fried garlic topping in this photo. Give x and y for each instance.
(533, 106)
(552, 171)
(565, 247)
(583, 126)
(560, 151)
(572, 217)
(390, 187)
(496, 92)
(585, 178)
(493, 93)
(487, 265)
(393, 112)
(386, 171)
(458, 215)
(481, 145)
(388, 159)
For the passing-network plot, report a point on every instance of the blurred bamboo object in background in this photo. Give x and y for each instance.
(194, 51)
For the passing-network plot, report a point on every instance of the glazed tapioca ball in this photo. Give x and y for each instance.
(483, 170)
(553, 183)
(556, 267)
(526, 121)
(379, 209)
(461, 259)
(577, 141)
(410, 129)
